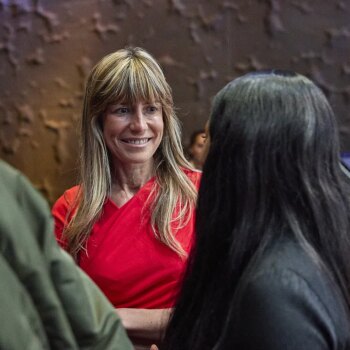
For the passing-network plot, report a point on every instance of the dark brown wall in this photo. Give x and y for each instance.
(47, 48)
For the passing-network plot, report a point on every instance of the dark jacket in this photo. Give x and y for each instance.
(46, 301)
(286, 302)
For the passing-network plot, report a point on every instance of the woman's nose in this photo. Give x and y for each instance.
(138, 122)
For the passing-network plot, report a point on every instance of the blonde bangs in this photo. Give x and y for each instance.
(133, 81)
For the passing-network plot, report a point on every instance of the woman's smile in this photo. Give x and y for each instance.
(136, 141)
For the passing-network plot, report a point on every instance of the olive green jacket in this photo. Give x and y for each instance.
(46, 301)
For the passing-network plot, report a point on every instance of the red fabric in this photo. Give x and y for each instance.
(124, 258)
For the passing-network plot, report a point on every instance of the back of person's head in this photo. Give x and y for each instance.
(274, 147)
(272, 169)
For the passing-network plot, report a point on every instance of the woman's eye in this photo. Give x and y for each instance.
(121, 110)
(152, 109)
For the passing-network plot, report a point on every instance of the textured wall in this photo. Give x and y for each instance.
(47, 48)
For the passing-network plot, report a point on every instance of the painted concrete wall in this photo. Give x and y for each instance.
(47, 48)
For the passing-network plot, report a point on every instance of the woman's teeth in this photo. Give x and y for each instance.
(137, 141)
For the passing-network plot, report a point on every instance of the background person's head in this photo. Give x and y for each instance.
(196, 148)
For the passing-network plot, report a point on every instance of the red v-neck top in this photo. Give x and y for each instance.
(123, 256)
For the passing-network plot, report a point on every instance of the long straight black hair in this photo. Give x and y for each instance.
(272, 169)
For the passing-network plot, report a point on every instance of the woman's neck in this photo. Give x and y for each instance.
(128, 179)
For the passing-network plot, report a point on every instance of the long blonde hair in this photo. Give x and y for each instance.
(129, 74)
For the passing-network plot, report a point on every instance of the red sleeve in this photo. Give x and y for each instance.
(62, 212)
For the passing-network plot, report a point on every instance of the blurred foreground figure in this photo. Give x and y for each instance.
(270, 268)
(46, 301)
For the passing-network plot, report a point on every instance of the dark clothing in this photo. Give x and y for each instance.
(286, 302)
(46, 301)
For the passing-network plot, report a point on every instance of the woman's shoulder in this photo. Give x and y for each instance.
(194, 175)
(287, 279)
(68, 198)
(286, 257)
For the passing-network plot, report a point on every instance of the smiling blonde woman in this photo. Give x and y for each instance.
(129, 223)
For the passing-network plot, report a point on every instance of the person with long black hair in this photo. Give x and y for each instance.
(270, 268)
